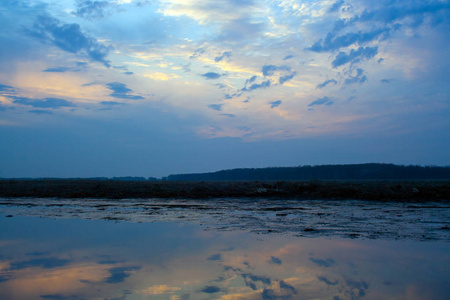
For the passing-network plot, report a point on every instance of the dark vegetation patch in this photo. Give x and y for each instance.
(113, 189)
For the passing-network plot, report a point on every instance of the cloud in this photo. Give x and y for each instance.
(159, 290)
(386, 80)
(354, 56)
(90, 9)
(268, 70)
(255, 86)
(275, 260)
(41, 112)
(333, 42)
(217, 107)
(325, 83)
(228, 115)
(323, 263)
(6, 88)
(79, 66)
(328, 282)
(42, 103)
(111, 103)
(336, 6)
(121, 91)
(256, 278)
(70, 38)
(119, 274)
(240, 30)
(274, 104)
(286, 78)
(321, 101)
(221, 57)
(45, 263)
(288, 57)
(251, 79)
(211, 75)
(359, 78)
(215, 257)
(211, 289)
(57, 69)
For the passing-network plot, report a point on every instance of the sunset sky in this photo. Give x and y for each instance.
(152, 88)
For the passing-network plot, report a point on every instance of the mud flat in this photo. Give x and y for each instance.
(417, 191)
(358, 219)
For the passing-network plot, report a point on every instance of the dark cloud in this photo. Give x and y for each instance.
(275, 260)
(354, 56)
(45, 263)
(321, 101)
(255, 86)
(360, 286)
(111, 103)
(327, 281)
(256, 278)
(6, 88)
(386, 80)
(286, 291)
(211, 75)
(43, 103)
(59, 297)
(228, 96)
(333, 42)
(128, 73)
(91, 9)
(41, 112)
(288, 57)
(119, 274)
(286, 78)
(121, 91)
(251, 79)
(286, 286)
(57, 69)
(323, 263)
(215, 257)
(221, 57)
(211, 289)
(217, 107)
(79, 67)
(274, 104)
(394, 12)
(325, 83)
(358, 78)
(69, 37)
(268, 70)
(336, 6)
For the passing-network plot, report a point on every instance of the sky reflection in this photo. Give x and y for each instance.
(79, 259)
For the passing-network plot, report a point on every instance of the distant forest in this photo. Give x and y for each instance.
(370, 171)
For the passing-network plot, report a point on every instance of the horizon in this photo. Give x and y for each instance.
(123, 177)
(155, 88)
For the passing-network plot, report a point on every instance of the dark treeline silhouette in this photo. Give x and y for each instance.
(370, 171)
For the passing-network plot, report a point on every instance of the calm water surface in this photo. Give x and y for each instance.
(43, 258)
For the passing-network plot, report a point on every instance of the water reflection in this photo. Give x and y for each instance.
(80, 259)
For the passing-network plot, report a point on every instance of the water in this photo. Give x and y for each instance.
(45, 258)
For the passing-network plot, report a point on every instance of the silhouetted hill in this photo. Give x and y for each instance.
(370, 171)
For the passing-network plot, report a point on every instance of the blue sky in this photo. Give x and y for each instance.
(151, 88)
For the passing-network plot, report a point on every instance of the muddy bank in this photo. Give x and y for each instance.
(109, 189)
(307, 218)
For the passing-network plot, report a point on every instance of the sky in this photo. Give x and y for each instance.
(152, 88)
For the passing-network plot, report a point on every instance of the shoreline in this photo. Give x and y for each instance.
(403, 191)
